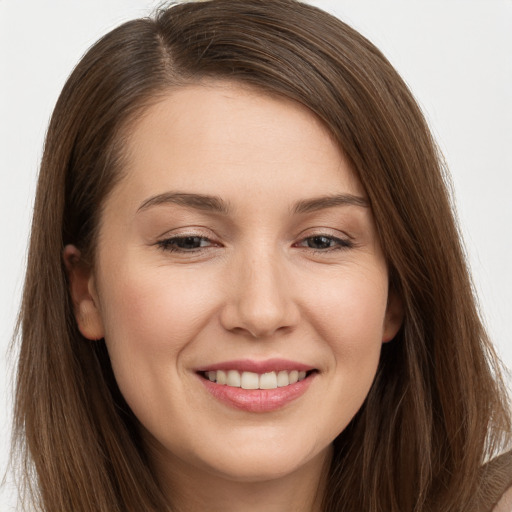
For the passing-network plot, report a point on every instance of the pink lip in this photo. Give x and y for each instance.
(249, 365)
(257, 400)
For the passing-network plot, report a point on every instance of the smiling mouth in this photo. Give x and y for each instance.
(252, 380)
(257, 386)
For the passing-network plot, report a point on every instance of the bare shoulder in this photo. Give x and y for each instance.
(505, 503)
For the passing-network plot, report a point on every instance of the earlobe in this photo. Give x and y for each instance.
(394, 317)
(83, 294)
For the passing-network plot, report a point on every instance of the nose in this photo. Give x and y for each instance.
(260, 299)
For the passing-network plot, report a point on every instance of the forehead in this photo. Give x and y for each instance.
(223, 139)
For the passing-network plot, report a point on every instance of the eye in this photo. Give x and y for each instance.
(324, 243)
(185, 243)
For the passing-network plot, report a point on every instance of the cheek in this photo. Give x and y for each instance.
(349, 308)
(349, 316)
(151, 317)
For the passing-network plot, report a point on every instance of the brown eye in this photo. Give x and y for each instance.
(188, 243)
(320, 242)
(324, 242)
(184, 243)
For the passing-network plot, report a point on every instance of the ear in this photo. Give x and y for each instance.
(394, 317)
(83, 294)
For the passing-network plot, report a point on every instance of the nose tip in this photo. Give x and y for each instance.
(257, 320)
(260, 302)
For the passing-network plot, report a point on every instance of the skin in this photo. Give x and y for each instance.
(505, 503)
(262, 286)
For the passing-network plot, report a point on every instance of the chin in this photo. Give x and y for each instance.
(258, 463)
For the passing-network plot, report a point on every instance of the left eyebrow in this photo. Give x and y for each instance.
(196, 201)
(321, 203)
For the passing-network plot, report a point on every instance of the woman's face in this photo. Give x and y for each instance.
(238, 250)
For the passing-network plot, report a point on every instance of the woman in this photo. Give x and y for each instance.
(245, 287)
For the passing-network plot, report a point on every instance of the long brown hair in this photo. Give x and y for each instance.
(437, 409)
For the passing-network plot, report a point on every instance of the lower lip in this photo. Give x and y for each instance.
(258, 400)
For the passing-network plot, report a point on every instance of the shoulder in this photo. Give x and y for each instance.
(495, 492)
(505, 503)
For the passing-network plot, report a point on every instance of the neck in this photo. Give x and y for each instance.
(195, 490)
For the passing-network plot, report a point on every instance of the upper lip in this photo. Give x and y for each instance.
(250, 365)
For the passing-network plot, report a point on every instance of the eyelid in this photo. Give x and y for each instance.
(167, 239)
(343, 240)
(170, 244)
(324, 231)
(340, 243)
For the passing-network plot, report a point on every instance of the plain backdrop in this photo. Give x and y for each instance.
(456, 56)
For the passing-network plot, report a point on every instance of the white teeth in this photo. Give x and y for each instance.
(251, 380)
(222, 378)
(233, 379)
(283, 379)
(268, 381)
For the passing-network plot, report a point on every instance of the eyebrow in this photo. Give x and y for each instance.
(196, 201)
(321, 203)
(217, 205)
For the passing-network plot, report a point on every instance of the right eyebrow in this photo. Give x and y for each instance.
(196, 201)
(324, 202)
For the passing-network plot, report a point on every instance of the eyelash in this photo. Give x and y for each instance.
(340, 243)
(171, 244)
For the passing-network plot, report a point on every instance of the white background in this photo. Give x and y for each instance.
(456, 55)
